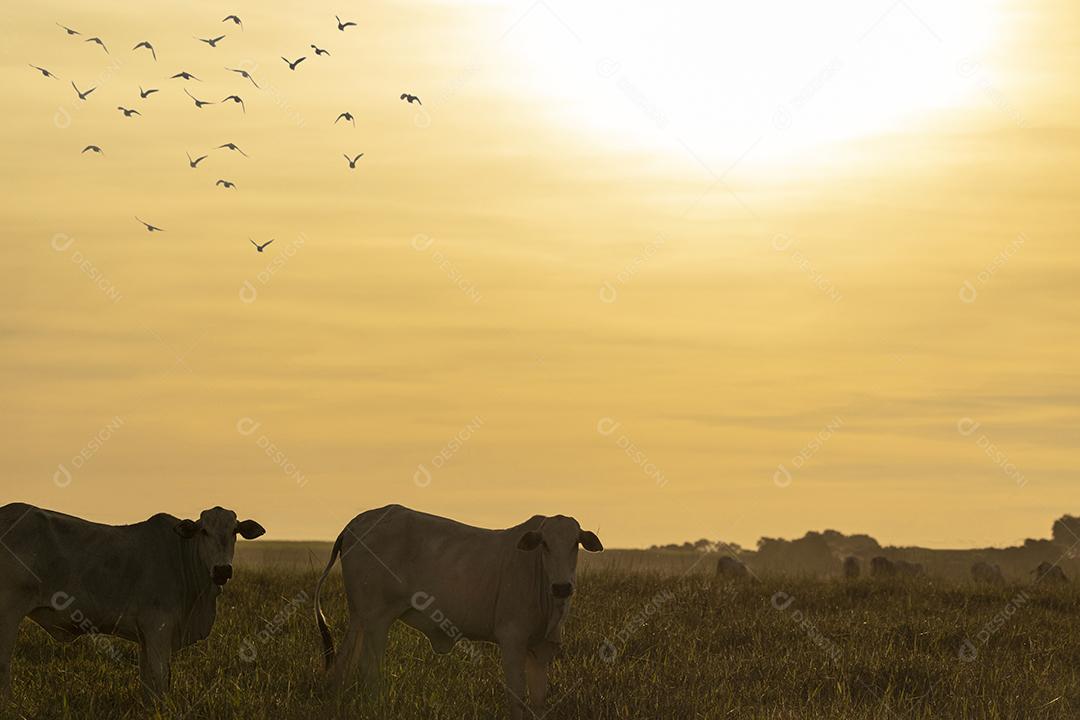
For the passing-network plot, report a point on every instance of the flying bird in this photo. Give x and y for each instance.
(127, 113)
(340, 25)
(348, 116)
(258, 246)
(212, 42)
(146, 44)
(99, 42)
(69, 30)
(319, 50)
(195, 163)
(82, 95)
(411, 99)
(149, 227)
(93, 148)
(232, 146)
(44, 72)
(235, 20)
(237, 99)
(226, 184)
(185, 75)
(146, 93)
(198, 103)
(352, 162)
(244, 73)
(292, 65)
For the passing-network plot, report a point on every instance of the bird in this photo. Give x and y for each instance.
(212, 42)
(226, 184)
(411, 99)
(146, 44)
(244, 73)
(348, 116)
(319, 50)
(185, 75)
(292, 65)
(352, 162)
(82, 95)
(93, 148)
(237, 99)
(44, 72)
(198, 103)
(195, 163)
(127, 113)
(235, 19)
(258, 246)
(232, 146)
(340, 25)
(149, 227)
(99, 42)
(69, 30)
(146, 93)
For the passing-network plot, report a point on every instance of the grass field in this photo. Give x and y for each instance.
(646, 639)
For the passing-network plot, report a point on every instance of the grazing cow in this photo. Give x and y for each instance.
(451, 582)
(909, 569)
(882, 567)
(155, 582)
(984, 572)
(1050, 574)
(852, 568)
(728, 568)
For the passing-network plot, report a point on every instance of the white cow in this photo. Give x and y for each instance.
(155, 582)
(453, 581)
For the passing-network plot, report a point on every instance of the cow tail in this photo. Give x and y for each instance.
(324, 630)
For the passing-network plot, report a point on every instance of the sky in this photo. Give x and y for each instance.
(679, 270)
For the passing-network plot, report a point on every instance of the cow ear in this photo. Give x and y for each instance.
(186, 529)
(589, 541)
(249, 529)
(530, 540)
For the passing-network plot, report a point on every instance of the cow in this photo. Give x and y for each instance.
(882, 567)
(852, 567)
(728, 568)
(155, 582)
(988, 573)
(453, 582)
(909, 569)
(1049, 573)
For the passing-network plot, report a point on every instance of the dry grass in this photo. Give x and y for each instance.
(640, 644)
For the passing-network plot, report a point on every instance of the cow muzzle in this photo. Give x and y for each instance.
(221, 574)
(562, 590)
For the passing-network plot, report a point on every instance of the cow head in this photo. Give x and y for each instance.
(215, 532)
(557, 540)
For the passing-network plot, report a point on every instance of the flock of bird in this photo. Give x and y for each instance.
(186, 76)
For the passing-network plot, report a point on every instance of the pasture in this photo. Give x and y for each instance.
(651, 635)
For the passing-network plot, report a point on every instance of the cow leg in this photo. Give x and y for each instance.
(348, 653)
(9, 631)
(513, 663)
(537, 662)
(372, 650)
(155, 654)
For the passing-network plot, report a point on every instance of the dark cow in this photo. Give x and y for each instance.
(728, 568)
(852, 567)
(155, 582)
(987, 573)
(882, 567)
(1050, 573)
(453, 581)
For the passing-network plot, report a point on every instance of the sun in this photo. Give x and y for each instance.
(746, 83)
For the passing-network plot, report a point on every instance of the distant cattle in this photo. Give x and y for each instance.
(909, 569)
(452, 582)
(1050, 574)
(882, 567)
(155, 582)
(984, 572)
(728, 568)
(852, 567)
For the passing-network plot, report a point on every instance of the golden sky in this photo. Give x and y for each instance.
(680, 270)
